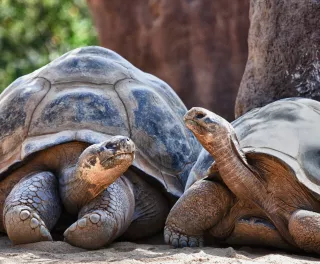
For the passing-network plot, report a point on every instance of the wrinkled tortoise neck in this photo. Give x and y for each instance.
(234, 169)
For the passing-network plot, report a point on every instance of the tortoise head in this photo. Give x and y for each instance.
(117, 153)
(208, 127)
(98, 166)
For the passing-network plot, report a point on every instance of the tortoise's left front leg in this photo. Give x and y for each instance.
(201, 207)
(304, 226)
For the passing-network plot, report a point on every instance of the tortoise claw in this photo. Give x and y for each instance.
(24, 225)
(94, 230)
(179, 240)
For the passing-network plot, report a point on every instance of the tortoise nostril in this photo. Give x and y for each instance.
(125, 141)
(200, 115)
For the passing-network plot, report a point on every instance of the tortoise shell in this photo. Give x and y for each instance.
(90, 94)
(287, 131)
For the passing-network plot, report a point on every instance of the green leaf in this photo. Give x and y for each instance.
(34, 32)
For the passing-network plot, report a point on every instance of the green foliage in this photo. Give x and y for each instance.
(34, 32)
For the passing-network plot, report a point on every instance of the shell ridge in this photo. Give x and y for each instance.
(163, 168)
(251, 149)
(186, 164)
(124, 105)
(150, 76)
(84, 82)
(180, 120)
(34, 110)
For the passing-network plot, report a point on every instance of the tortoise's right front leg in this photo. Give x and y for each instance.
(200, 208)
(32, 208)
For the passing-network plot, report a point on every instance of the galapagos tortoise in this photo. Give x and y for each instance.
(68, 126)
(263, 189)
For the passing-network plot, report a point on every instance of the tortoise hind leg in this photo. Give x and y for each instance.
(104, 218)
(151, 209)
(258, 232)
(304, 226)
(32, 208)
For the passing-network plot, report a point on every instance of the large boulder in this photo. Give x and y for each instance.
(284, 53)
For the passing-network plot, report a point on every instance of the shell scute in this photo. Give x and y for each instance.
(101, 110)
(16, 110)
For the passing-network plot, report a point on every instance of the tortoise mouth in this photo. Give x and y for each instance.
(191, 122)
(195, 126)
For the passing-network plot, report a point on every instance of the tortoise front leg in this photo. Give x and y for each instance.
(199, 209)
(32, 208)
(104, 218)
(304, 226)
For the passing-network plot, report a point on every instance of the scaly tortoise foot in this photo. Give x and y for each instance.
(177, 239)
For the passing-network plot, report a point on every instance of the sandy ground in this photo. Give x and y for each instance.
(125, 252)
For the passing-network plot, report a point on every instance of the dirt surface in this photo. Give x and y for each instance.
(126, 252)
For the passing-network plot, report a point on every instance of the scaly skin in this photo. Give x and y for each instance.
(128, 207)
(209, 206)
(104, 218)
(201, 207)
(32, 208)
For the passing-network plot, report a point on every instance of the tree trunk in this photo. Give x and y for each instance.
(284, 53)
(199, 47)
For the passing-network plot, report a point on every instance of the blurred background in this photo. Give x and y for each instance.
(199, 47)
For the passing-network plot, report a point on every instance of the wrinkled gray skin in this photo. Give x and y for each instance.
(58, 150)
(263, 187)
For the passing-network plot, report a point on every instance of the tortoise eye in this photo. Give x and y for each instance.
(92, 161)
(111, 146)
(200, 115)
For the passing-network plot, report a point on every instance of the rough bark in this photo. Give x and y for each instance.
(198, 46)
(284, 53)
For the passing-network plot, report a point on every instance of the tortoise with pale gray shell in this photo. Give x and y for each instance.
(264, 185)
(68, 135)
